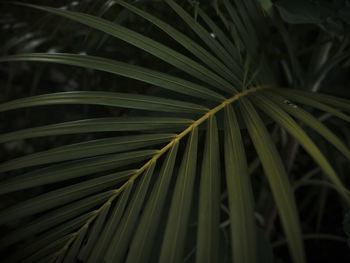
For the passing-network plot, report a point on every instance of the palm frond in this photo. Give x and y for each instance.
(197, 50)
(209, 198)
(98, 252)
(277, 177)
(122, 236)
(155, 48)
(73, 169)
(87, 149)
(99, 125)
(278, 114)
(123, 69)
(141, 246)
(132, 101)
(240, 194)
(177, 222)
(131, 197)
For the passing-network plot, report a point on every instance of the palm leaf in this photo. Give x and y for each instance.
(189, 44)
(31, 207)
(155, 48)
(340, 103)
(49, 220)
(118, 245)
(241, 200)
(106, 236)
(57, 237)
(141, 246)
(74, 249)
(177, 222)
(107, 65)
(277, 177)
(95, 232)
(108, 196)
(315, 124)
(73, 169)
(57, 198)
(209, 202)
(215, 46)
(279, 115)
(132, 101)
(98, 125)
(311, 101)
(225, 41)
(87, 149)
(238, 24)
(46, 250)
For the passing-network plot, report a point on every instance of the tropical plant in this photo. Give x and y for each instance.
(168, 173)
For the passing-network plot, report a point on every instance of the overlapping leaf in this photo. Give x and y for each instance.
(116, 67)
(155, 48)
(241, 200)
(277, 177)
(132, 101)
(87, 149)
(177, 222)
(112, 212)
(209, 198)
(141, 245)
(73, 169)
(99, 125)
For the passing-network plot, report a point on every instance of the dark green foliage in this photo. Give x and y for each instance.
(174, 131)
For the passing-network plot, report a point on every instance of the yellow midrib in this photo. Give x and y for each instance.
(155, 158)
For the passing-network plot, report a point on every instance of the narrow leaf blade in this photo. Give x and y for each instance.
(153, 47)
(209, 198)
(98, 125)
(240, 193)
(95, 232)
(277, 178)
(312, 122)
(280, 116)
(141, 245)
(73, 169)
(152, 77)
(177, 223)
(126, 100)
(120, 242)
(86, 149)
(108, 231)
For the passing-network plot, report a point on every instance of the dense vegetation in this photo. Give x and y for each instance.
(174, 131)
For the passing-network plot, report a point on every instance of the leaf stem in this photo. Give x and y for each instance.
(155, 158)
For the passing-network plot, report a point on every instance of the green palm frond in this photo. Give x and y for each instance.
(209, 198)
(240, 194)
(99, 125)
(135, 197)
(277, 177)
